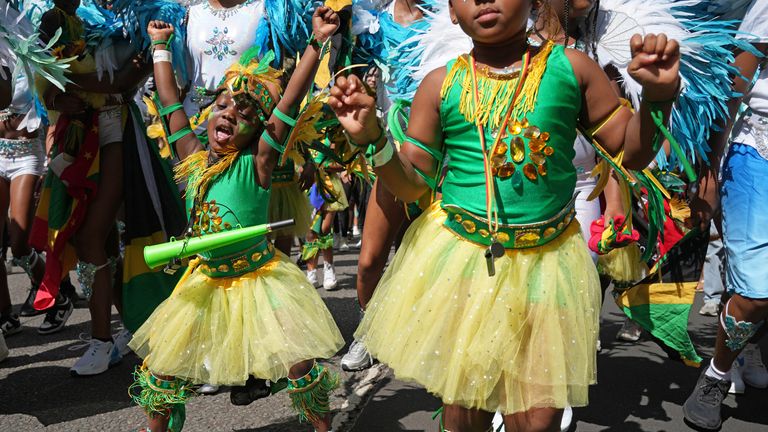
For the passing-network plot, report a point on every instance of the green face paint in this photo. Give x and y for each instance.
(244, 128)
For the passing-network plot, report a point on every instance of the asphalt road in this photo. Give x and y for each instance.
(639, 390)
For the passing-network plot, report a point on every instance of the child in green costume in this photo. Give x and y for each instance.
(492, 300)
(243, 309)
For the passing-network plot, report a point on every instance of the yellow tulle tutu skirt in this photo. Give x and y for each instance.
(525, 338)
(289, 202)
(624, 265)
(220, 330)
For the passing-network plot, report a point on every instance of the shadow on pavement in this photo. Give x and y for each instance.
(408, 400)
(51, 395)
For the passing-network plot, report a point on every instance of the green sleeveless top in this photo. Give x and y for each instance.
(543, 181)
(233, 198)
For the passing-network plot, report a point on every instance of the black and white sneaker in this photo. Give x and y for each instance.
(9, 324)
(56, 317)
(28, 308)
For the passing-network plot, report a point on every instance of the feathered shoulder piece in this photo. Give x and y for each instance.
(23, 54)
(285, 28)
(437, 43)
(135, 16)
(706, 49)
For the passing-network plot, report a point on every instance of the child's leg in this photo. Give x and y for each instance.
(385, 215)
(459, 419)
(163, 399)
(326, 231)
(534, 420)
(309, 387)
(312, 260)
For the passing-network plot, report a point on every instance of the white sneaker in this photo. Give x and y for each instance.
(752, 368)
(710, 308)
(97, 359)
(359, 244)
(312, 278)
(343, 244)
(329, 277)
(498, 422)
(355, 231)
(208, 389)
(737, 380)
(357, 358)
(3, 348)
(121, 339)
(565, 422)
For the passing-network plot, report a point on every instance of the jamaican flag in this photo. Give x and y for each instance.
(63, 206)
(661, 302)
(153, 212)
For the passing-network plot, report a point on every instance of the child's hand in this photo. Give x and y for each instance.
(159, 30)
(355, 109)
(325, 22)
(656, 66)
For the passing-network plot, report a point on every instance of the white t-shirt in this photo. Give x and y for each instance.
(755, 30)
(216, 37)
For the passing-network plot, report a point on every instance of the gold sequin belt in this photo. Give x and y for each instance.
(239, 263)
(518, 236)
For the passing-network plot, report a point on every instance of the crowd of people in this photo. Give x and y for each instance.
(521, 156)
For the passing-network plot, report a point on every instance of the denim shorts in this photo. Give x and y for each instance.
(744, 195)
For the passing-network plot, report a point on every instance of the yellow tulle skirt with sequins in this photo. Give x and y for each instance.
(288, 201)
(523, 339)
(220, 330)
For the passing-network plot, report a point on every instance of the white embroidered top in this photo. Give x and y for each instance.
(216, 37)
(753, 129)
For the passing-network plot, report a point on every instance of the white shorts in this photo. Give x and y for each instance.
(110, 125)
(21, 157)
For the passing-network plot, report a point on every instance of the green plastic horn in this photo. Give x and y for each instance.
(160, 254)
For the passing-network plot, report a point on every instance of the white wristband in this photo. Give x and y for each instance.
(383, 156)
(159, 56)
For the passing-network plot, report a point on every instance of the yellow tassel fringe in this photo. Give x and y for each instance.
(496, 91)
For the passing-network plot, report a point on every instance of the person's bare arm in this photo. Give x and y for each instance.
(655, 65)
(127, 78)
(168, 93)
(325, 22)
(356, 111)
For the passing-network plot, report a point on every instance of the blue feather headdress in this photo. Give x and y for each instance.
(285, 28)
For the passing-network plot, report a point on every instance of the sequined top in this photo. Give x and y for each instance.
(233, 198)
(534, 175)
(216, 37)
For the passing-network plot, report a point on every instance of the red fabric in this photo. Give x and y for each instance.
(82, 190)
